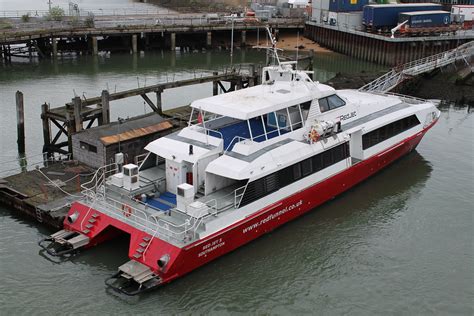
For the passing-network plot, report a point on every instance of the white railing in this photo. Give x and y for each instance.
(396, 75)
(139, 159)
(90, 188)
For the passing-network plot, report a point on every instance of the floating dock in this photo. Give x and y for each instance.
(46, 193)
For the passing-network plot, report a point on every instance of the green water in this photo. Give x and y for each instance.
(400, 243)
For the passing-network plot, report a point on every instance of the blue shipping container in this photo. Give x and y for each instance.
(425, 18)
(386, 15)
(347, 5)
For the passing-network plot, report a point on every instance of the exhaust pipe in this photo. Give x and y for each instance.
(73, 217)
(163, 261)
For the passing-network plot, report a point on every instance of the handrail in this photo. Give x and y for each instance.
(207, 130)
(138, 159)
(98, 178)
(239, 196)
(238, 138)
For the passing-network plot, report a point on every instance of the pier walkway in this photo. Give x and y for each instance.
(15, 31)
(417, 67)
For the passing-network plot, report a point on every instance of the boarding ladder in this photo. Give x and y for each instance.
(398, 74)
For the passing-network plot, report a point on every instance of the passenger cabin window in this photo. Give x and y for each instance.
(264, 186)
(387, 131)
(330, 103)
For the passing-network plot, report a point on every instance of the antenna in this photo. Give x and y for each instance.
(297, 47)
(273, 48)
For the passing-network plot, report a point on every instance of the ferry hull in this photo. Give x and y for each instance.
(184, 260)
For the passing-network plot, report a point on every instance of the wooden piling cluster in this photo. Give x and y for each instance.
(380, 49)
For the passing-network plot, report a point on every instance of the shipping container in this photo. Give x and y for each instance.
(449, 3)
(467, 11)
(425, 19)
(321, 4)
(385, 16)
(350, 20)
(347, 5)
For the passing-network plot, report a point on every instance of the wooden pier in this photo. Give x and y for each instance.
(131, 34)
(82, 113)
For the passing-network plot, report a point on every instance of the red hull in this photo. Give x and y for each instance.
(184, 260)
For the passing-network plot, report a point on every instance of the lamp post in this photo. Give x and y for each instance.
(49, 5)
(232, 42)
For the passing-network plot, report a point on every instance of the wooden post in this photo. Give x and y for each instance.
(30, 49)
(134, 43)
(159, 103)
(77, 114)
(173, 41)
(70, 131)
(20, 116)
(209, 40)
(215, 90)
(105, 107)
(95, 47)
(54, 43)
(46, 127)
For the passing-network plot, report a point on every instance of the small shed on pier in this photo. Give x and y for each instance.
(97, 146)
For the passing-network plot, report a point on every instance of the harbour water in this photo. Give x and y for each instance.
(399, 243)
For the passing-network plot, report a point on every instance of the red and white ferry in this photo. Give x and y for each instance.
(248, 162)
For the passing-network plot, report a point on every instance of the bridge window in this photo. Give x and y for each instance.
(330, 103)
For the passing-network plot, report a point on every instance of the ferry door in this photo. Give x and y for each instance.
(355, 147)
(174, 175)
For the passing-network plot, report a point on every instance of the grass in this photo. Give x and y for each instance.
(4, 25)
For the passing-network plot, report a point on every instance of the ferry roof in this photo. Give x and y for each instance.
(262, 99)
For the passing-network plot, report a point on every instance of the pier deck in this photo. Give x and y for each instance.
(45, 194)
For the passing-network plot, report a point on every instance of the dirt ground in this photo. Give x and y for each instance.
(288, 42)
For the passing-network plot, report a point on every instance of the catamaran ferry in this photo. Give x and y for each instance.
(248, 161)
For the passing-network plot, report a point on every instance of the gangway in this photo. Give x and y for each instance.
(414, 68)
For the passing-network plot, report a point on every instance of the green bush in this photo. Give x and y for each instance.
(25, 18)
(90, 20)
(56, 14)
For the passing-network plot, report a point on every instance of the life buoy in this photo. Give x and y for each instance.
(127, 210)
